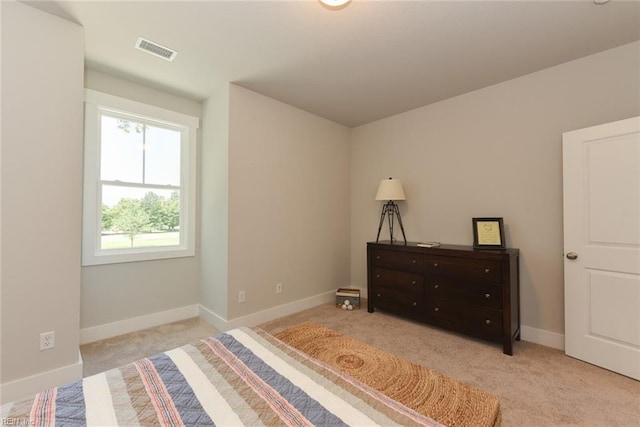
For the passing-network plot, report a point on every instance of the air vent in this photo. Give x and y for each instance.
(156, 49)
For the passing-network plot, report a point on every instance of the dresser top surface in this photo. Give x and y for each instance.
(444, 249)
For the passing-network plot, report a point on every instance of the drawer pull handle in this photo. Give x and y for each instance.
(487, 296)
(435, 264)
(415, 303)
(436, 309)
(414, 261)
(378, 295)
(377, 276)
(488, 322)
(413, 283)
(377, 256)
(487, 271)
(436, 286)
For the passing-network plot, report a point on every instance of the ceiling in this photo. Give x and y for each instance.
(370, 60)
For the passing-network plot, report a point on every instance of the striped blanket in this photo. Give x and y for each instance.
(241, 377)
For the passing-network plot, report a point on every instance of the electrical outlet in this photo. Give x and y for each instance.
(278, 288)
(47, 340)
(242, 296)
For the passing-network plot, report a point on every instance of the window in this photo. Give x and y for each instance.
(139, 181)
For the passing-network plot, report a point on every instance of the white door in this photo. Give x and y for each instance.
(602, 245)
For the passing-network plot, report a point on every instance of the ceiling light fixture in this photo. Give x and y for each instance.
(335, 4)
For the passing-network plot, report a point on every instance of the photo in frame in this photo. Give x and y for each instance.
(488, 233)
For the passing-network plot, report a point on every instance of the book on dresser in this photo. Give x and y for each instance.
(473, 292)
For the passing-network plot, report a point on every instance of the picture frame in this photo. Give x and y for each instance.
(488, 233)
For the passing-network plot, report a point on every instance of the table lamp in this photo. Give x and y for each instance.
(390, 190)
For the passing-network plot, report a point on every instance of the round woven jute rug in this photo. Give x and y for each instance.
(430, 393)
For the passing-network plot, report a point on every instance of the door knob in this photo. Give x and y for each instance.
(572, 255)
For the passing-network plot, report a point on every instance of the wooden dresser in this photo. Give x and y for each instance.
(474, 292)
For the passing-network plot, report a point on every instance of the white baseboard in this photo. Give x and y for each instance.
(213, 319)
(108, 330)
(23, 387)
(97, 333)
(268, 314)
(281, 310)
(542, 337)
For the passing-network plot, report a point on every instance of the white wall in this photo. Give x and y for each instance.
(124, 88)
(42, 110)
(117, 293)
(214, 232)
(288, 203)
(493, 152)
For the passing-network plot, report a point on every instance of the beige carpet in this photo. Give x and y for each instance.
(117, 351)
(538, 386)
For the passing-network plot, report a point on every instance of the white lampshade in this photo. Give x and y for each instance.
(390, 189)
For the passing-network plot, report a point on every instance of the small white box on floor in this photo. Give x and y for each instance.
(348, 298)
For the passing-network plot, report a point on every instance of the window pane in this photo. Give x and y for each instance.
(121, 150)
(162, 151)
(139, 217)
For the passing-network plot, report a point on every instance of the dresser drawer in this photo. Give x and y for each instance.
(398, 302)
(480, 321)
(407, 261)
(472, 293)
(467, 270)
(400, 280)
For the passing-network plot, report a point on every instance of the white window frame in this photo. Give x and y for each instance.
(97, 103)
